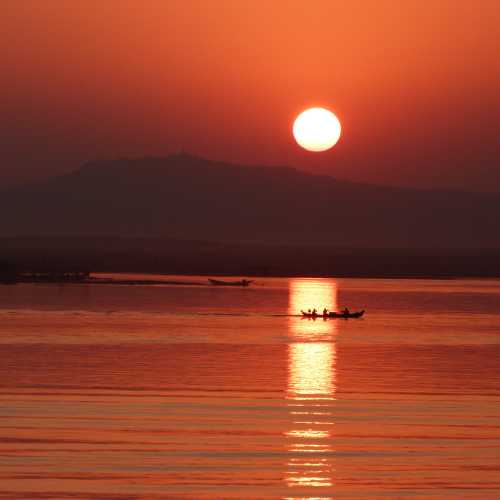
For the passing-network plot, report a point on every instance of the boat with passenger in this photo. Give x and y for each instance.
(333, 314)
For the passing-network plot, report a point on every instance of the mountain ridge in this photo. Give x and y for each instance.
(188, 197)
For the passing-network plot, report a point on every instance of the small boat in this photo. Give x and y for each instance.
(356, 314)
(332, 314)
(229, 283)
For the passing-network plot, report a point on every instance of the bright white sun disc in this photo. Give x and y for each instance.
(316, 129)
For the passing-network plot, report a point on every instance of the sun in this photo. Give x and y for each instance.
(316, 129)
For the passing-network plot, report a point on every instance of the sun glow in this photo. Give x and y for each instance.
(316, 129)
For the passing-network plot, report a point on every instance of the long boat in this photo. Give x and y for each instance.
(333, 314)
(229, 283)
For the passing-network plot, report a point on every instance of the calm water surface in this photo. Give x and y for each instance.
(124, 392)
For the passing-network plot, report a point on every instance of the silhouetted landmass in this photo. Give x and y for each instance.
(187, 215)
(161, 255)
(8, 272)
(189, 198)
(53, 276)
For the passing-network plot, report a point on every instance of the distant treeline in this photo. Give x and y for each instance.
(15, 271)
(160, 255)
(8, 272)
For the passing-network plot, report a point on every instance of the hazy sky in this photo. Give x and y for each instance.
(414, 83)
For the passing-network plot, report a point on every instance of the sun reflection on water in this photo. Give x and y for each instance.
(311, 370)
(311, 386)
(307, 294)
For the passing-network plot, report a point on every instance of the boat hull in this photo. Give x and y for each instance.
(229, 283)
(354, 315)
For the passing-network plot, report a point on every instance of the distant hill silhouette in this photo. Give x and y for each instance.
(187, 197)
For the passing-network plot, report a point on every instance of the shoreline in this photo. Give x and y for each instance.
(62, 259)
(93, 280)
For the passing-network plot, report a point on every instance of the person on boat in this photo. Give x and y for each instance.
(345, 311)
(309, 311)
(325, 312)
(314, 313)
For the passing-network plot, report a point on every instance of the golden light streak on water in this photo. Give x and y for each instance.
(311, 371)
(311, 294)
(311, 385)
(308, 433)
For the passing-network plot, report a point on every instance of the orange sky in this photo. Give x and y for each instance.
(414, 83)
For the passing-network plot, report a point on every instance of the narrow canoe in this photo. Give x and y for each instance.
(229, 283)
(356, 314)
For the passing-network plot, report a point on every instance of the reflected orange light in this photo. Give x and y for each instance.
(307, 294)
(311, 371)
(311, 385)
(310, 481)
(308, 433)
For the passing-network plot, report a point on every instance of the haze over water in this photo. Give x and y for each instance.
(123, 392)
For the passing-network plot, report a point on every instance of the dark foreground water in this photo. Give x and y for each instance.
(124, 392)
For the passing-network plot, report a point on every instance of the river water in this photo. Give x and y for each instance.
(148, 392)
